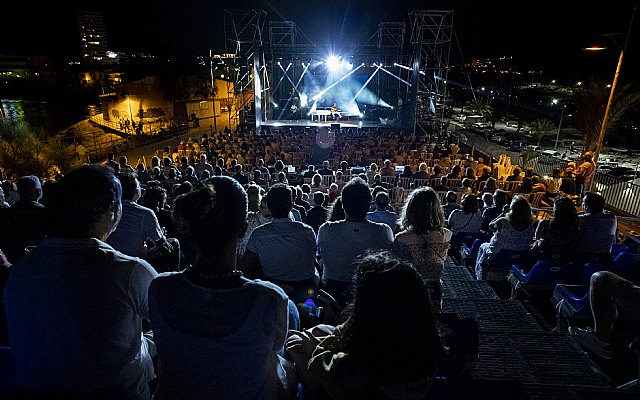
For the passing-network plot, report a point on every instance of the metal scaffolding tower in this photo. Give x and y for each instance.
(290, 49)
(243, 39)
(431, 33)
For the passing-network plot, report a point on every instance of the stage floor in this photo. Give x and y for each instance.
(351, 123)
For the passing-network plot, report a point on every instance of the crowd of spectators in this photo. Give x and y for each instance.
(175, 279)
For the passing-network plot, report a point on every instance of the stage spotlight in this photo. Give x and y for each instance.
(333, 63)
(303, 100)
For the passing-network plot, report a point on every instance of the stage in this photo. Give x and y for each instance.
(343, 123)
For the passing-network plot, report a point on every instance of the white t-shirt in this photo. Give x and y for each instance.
(340, 242)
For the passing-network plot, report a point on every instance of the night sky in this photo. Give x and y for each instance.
(542, 34)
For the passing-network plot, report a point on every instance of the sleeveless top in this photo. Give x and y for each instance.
(427, 252)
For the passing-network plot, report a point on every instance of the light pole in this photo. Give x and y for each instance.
(555, 147)
(611, 93)
(606, 111)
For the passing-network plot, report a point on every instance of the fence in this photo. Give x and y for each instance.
(621, 195)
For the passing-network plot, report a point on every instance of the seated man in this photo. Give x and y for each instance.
(598, 228)
(75, 306)
(382, 212)
(282, 250)
(139, 227)
(609, 294)
(340, 242)
(22, 224)
(317, 215)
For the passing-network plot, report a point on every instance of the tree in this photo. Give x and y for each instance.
(27, 151)
(590, 103)
(480, 105)
(542, 127)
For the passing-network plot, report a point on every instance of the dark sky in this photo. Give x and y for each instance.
(543, 34)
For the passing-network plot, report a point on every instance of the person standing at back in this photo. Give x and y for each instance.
(75, 306)
(584, 174)
(340, 242)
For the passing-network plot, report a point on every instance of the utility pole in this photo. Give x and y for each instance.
(213, 91)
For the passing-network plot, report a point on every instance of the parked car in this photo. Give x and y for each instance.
(517, 145)
(624, 173)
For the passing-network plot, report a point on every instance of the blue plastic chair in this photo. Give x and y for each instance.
(466, 239)
(627, 265)
(471, 251)
(500, 265)
(543, 275)
(618, 248)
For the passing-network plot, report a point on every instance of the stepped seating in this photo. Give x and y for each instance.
(572, 299)
(543, 276)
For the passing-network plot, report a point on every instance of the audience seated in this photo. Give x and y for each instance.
(282, 250)
(609, 294)
(351, 360)
(598, 229)
(382, 213)
(340, 242)
(468, 219)
(22, 224)
(423, 239)
(513, 231)
(246, 320)
(336, 212)
(76, 326)
(556, 238)
(317, 215)
(317, 185)
(450, 203)
(139, 226)
(257, 214)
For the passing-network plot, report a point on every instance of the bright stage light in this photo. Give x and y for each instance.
(333, 62)
(303, 100)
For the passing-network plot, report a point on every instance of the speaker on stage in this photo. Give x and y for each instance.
(335, 127)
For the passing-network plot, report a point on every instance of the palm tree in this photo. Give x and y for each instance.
(480, 105)
(542, 127)
(590, 103)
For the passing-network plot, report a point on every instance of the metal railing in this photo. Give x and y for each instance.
(619, 194)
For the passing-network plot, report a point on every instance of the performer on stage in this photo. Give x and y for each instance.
(335, 113)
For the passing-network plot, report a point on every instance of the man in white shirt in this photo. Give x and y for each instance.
(283, 250)
(340, 242)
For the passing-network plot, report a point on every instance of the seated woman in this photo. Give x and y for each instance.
(424, 241)
(556, 238)
(466, 186)
(467, 220)
(489, 185)
(525, 187)
(317, 185)
(552, 188)
(514, 231)
(388, 345)
(210, 324)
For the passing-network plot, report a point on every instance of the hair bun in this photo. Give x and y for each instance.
(194, 206)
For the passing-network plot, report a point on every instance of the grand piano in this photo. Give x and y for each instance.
(326, 113)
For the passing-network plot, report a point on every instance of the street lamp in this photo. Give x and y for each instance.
(611, 93)
(555, 147)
